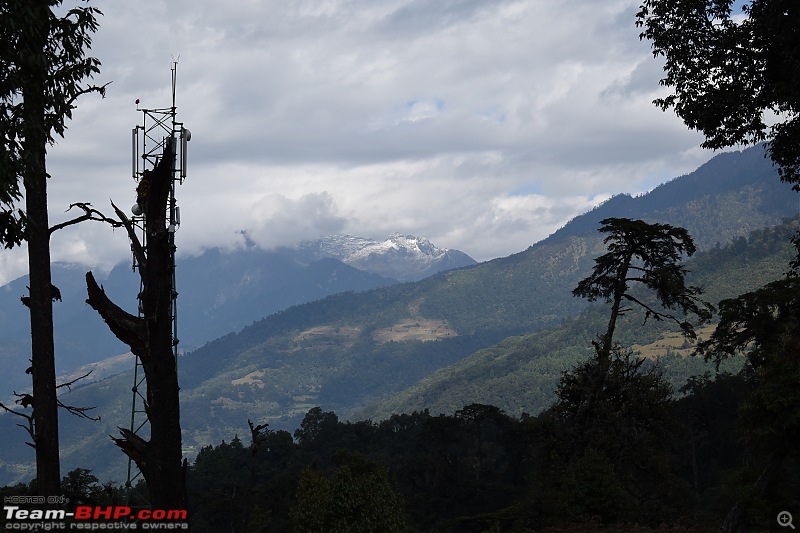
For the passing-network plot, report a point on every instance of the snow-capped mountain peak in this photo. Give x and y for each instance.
(403, 257)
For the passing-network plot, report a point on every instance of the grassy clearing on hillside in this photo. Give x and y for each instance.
(672, 342)
(417, 329)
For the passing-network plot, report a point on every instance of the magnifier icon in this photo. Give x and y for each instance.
(785, 519)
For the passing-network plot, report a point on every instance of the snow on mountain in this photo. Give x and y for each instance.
(338, 247)
(402, 257)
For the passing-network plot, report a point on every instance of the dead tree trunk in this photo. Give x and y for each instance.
(150, 338)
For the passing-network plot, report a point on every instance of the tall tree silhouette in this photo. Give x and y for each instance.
(42, 71)
(614, 409)
(646, 254)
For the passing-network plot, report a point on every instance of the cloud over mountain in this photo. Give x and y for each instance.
(484, 125)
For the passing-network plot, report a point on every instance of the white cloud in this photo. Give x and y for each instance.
(419, 116)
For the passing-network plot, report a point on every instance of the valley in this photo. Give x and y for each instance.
(498, 333)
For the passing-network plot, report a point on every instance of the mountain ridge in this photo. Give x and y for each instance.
(334, 352)
(520, 374)
(699, 191)
(220, 291)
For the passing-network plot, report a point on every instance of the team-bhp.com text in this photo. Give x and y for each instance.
(85, 517)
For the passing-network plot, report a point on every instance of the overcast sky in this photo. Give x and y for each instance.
(484, 125)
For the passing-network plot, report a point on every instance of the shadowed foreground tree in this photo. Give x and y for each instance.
(615, 437)
(738, 82)
(42, 69)
(150, 338)
(614, 408)
(356, 497)
(764, 325)
(639, 255)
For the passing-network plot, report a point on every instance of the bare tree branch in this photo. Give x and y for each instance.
(649, 311)
(24, 400)
(686, 327)
(69, 384)
(77, 411)
(136, 244)
(90, 213)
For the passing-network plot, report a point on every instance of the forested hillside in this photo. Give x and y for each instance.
(511, 451)
(728, 197)
(219, 292)
(520, 374)
(352, 350)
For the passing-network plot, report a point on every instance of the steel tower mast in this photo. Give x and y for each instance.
(158, 131)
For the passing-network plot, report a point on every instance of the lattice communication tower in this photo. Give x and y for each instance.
(149, 142)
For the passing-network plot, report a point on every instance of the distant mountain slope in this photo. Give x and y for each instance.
(521, 373)
(219, 292)
(728, 197)
(350, 350)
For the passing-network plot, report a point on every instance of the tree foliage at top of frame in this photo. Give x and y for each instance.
(727, 73)
(67, 67)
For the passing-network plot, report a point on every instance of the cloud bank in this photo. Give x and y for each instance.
(483, 125)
